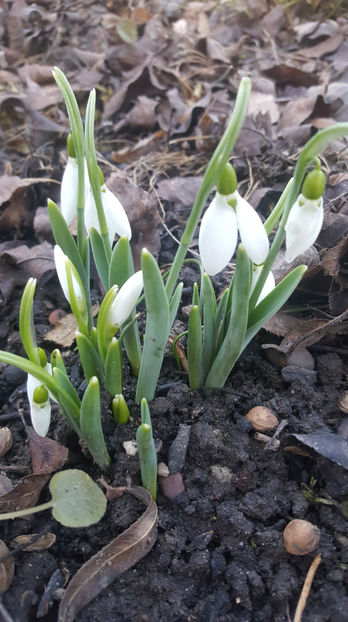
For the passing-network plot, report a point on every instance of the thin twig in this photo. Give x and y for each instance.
(306, 588)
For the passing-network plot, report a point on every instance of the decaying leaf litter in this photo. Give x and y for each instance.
(166, 77)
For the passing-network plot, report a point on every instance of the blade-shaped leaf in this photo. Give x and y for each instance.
(91, 427)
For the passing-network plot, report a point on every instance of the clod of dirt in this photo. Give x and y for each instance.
(343, 403)
(262, 419)
(301, 537)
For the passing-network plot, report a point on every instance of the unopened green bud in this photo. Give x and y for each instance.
(40, 395)
(227, 183)
(314, 185)
(120, 409)
(70, 146)
(42, 356)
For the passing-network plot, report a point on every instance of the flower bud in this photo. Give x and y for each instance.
(227, 183)
(120, 409)
(314, 184)
(40, 395)
(126, 299)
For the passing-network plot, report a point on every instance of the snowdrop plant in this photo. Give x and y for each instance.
(218, 330)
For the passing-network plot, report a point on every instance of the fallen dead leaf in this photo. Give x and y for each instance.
(63, 333)
(114, 559)
(326, 444)
(25, 494)
(41, 543)
(47, 456)
(6, 568)
(5, 440)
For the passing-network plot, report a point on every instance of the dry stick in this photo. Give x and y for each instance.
(306, 588)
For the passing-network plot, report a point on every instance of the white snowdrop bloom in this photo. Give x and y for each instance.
(63, 264)
(217, 235)
(268, 286)
(251, 230)
(68, 190)
(126, 299)
(303, 226)
(40, 411)
(115, 215)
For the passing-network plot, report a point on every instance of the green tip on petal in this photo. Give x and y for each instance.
(120, 409)
(314, 184)
(70, 146)
(227, 183)
(40, 395)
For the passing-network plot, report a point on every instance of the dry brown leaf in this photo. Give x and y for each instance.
(288, 74)
(6, 568)
(327, 46)
(63, 334)
(47, 456)
(42, 543)
(297, 111)
(5, 484)
(24, 495)
(142, 211)
(114, 559)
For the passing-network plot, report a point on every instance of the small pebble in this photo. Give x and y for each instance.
(130, 447)
(262, 419)
(301, 537)
(172, 486)
(301, 358)
(178, 449)
(162, 470)
(221, 473)
(291, 373)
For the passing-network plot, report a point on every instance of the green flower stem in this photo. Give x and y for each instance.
(93, 172)
(212, 174)
(27, 511)
(277, 211)
(26, 322)
(311, 150)
(77, 137)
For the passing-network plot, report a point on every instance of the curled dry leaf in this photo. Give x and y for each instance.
(5, 440)
(35, 543)
(47, 456)
(114, 559)
(24, 495)
(326, 444)
(6, 568)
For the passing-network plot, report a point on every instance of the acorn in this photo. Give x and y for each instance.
(262, 419)
(301, 537)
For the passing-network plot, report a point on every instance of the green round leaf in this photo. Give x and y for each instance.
(78, 500)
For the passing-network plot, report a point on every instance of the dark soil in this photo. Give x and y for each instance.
(219, 554)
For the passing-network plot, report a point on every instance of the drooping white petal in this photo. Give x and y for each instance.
(303, 226)
(126, 299)
(68, 191)
(115, 215)
(268, 286)
(40, 413)
(217, 235)
(62, 264)
(252, 232)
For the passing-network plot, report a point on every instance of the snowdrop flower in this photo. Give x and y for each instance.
(39, 402)
(306, 216)
(125, 299)
(218, 233)
(65, 271)
(268, 286)
(115, 215)
(69, 185)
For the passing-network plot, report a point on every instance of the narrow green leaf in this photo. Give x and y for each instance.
(220, 320)
(194, 348)
(271, 304)
(100, 258)
(65, 240)
(209, 310)
(90, 359)
(147, 451)
(233, 341)
(121, 264)
(174, 304)
(113, 367)
(66, 386)
(91, 427)
(103, 335)
(156, 330)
